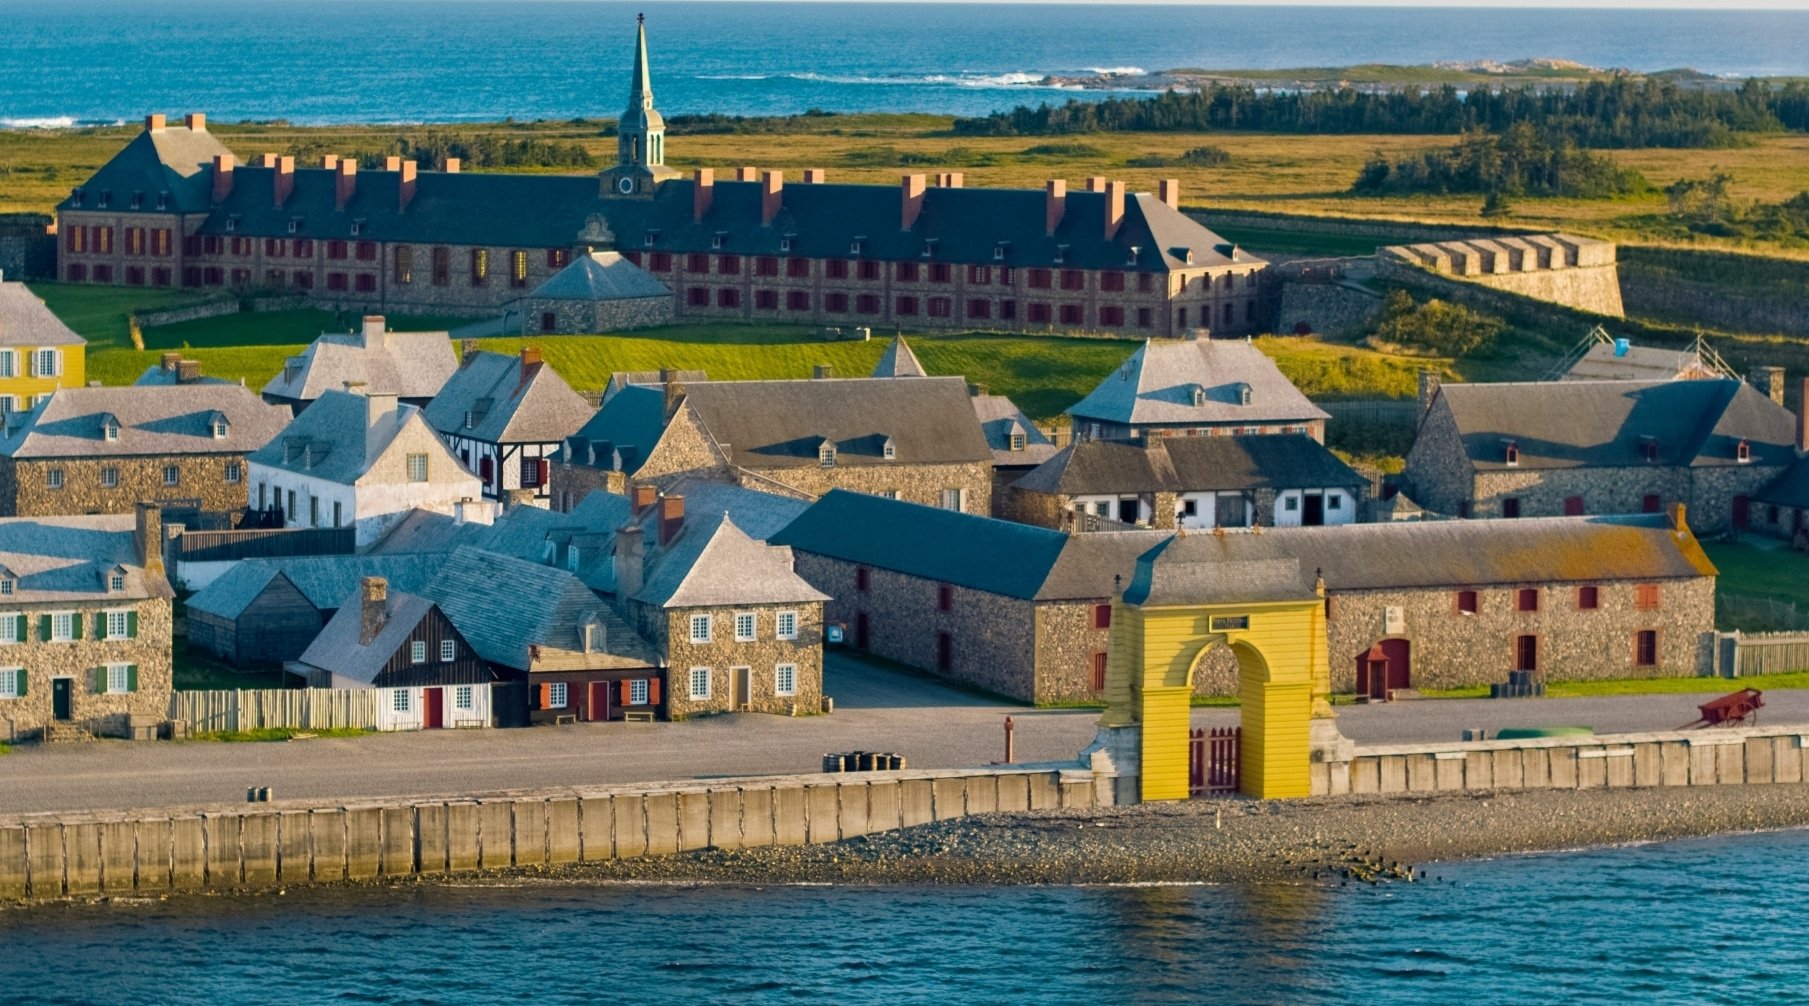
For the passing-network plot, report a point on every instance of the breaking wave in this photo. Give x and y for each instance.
(971, 80)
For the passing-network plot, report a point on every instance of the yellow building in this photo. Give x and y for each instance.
(38, 353)
(1180, 606)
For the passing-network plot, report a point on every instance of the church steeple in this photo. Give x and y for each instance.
(640, 89)
(640, 134)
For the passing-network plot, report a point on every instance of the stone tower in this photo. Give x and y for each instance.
(640, 135)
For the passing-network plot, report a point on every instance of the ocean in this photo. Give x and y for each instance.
(325, 61)
(1697, 922)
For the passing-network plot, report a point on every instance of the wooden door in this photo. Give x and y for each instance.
(62, 697)
(1526, 653)
(433, 708)
(860, 630)
(597, 709)
(1742, 512)
(741, 682)
(1312, 510)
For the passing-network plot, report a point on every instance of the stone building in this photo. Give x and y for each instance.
(914, 439)
(84, 626)
(1782, 507)
(505, 417)
(598, 292)
(1196, 387)
(38, 353)
(1191, 483)
(1599, 447)
(363, 461)
(176, 207)
(412, 366)
(102, 450)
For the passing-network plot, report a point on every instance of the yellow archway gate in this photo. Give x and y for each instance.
(1173, 613)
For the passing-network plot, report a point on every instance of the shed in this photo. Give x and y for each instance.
(598, 292)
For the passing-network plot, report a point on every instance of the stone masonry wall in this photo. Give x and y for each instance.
(915, 483)
(25, 484)
(575, 317)
(44, 661)
(670, 628)
(1326, 308)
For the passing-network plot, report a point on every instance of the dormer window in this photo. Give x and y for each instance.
(648, 239)
(1510, 453)
(163, 200)
(1131, 259)
(470, 419)
(294, 224)
(1743, 452)
(826, 454)
(1061, 254)
(116, 581)
(137, 200)
(219, 427)
(998, 253)
(75, 195)
(785, 243)
(110, 429)
(1648, 448)
(716, 240)
(1244, 394)
(232, 225)
(595, 637)
(9, 584)
(357, 227)
(857, 245)
(106, 197)
(889, 450)
(1017, 441)
(1198, 394)
(929, 248)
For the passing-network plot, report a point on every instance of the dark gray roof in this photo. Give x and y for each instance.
(625, 429)
(1606, 362)
(628, 378)
(600, 276)
(25, 321)
(338, 648)
(713, 563)
(999, 419)
(899, 361)
(152, 421)
(1157, 386)
(1163, 578)
(424, 531)
(1790, 489)
(406, 364)
(67, 559)
(1191, 464)
(781, 424)
(325, 580)
(549, 612)
(169, 160)
(337, 440)
(1572, 424)
(508, 399)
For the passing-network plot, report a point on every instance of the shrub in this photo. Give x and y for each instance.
(1436, 326)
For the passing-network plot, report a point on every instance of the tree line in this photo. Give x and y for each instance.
(1519, 162)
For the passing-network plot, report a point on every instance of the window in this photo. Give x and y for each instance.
(945, 598)
(119, 623)
(826, 455)
(1573, 506)
(557, 695)
(744, 626)
(448, 651)
(53, 478)
(518, 269)
(1526, 653)
(172, 475)
(1099, 672)
(1526, 600)
(1510, 507)
(109, 477)
(906, 306)
(797, 300)
(235, 473)
(698, 296)
(700, 628)
(1102, 616)
(766, 300)
(700, 682)
(399, 700)
(404, 264)
(785, 679)
(557, 258)
(1645, 648)
(48, 363)
(417, 468)
(728, 265)
(12, 626)
(1039, 279)
(836, 302)
(728, 296)
(1017, 441)
(1588, 598)
(313, 511)
(637, 692)
(480, 266)
(463, 696)
(785, 625)
(863, 578)
(979, 308)
(365, 282)
(12, 683)
(336, 512)
(1645, 596)
(945, 652)
(1743, 452)
(1467, 602)
(121, 679)
(219, 428)
(866, 303)
(1649, 503)
(953, 499)
(941, 307)
(417, 652)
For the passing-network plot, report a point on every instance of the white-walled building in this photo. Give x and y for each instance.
(504, 417)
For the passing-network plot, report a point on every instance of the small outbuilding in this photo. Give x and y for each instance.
(598, 292)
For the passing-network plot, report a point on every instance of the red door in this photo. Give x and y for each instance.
(1742, 512)
(598, 708)
(1385, 667)
(860, 630)
(433, 708)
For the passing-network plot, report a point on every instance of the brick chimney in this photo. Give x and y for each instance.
(373, 608)
(772, 187)
(330, 161)
(452, 165)
(747, 173)
(530, 358)
(147, 538)
(1114, 209)
(1096, 183)
(153, 123)
(643, 496)
(222, 177)
(405, 186)
(1169, 191)
(703, 193)
(1770, 380)
(815, 176)
(630, 547)
(283, 182)
(1055, 204)
(910, 192)
(672, 517)
(345, 183)
(392, 163)
(195, 121)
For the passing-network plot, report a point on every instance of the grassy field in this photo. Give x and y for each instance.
(1642, 686)
(268, 734)
(194, 672)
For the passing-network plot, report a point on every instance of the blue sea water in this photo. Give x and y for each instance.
(1700, 922)
(429, 60)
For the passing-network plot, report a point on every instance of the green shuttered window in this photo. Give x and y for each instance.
(13, 683)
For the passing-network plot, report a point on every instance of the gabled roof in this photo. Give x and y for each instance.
(604, 275)
(1606, 361)
(1162, 381)
(1790, 489)
(26, 322)
(1191, 464)
(338, 648)
(339, 439)
(1573, 424)
(999, 419)
(1165, 579)
(713, 563)
(174, 159)
(405, 364)
(65, 559)
(325, 580)
(780, 424)
(507, 399)
(549, 613)
(152, 421)
(899, 361)
(628, 425)
(656, 378)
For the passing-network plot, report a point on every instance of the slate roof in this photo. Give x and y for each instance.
(66, 559)
(325, 580)
(1163, 578)
(551, 611)
(1790, 489)
(174, 159)
(1191, 464)
(604, 275)
(630, 422)
(1637, 363)
(25, 321)
(424, 531)
(781, 424)
(1157, 384)
(337, 648)
(405, 364)
(999, 419)
(1574, 424)
(339, 445)
(629, 378)
(899, 361)
(509, 400)
(152, 421)
(713, 563)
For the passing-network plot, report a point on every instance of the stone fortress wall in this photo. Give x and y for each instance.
(1563, 269)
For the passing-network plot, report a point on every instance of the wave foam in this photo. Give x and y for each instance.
(970, 80)
(46, 122)
(1118, 71)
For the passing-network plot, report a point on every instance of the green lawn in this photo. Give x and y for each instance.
(100, 313)
(196, 672)
(1748, 570)
(266, 734)
(278, 328)
(1641, 686)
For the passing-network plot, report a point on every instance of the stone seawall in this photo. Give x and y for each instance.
(262, 847)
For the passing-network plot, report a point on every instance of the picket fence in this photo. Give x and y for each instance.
(1771, 653)
(299, 708)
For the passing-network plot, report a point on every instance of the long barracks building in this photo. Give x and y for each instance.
(175, 207)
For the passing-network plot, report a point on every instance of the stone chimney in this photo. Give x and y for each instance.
(530, 358)
(380, 411)
(222, 177)
(195, 121)
(815, 176)
(283, 182)
(373, 608)
(373, 333)
(345, 182)
(747, 173)
(1169, 191)
(1096, 183)
(1771, 381)
(1429, 382)
(703, 193)
(147, 538)
(642, 497)
(153, 123)
(1114, 209)
(468, 348)
(453, 165)
(630, 548)
(1055, 204)
(405, 186)
(188, 371)
(672, 518)
(950, 179)
(675, 396)
(1678, 514)
(772, 186)
(267, 159)
(910, 200)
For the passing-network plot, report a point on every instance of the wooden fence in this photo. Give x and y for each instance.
(298, 708)
(263, 543)
(1771, 653)
(1374, 411)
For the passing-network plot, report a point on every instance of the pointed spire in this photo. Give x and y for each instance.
(899, 361)
(640, 89)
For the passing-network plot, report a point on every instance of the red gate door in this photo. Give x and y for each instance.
(1212, 762)
(433, 708)
(598, 709)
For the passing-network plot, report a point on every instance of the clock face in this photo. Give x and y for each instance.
(626, 186)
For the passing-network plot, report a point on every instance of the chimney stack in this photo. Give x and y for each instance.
(168, 362)
(815, 176)
(147, 538)
(373, 608)
(746, 173)
(672, 517)
(675, 394)
(330, 161)
(345, 183)
(1429, 381)
(703, 193)
(1771, 381)
(267, 159)
(379, 411)
(1114, 208)
(153, 123)
(283, 182)
(195, 121)
(222, 177)
(910, 200)
(630, 546)
(1169, 191)
(1055, 204)
(642, 497)
(530, 358)
(1096, 183)
(406, 186)
(373, 330)
(1678, 514)
(452, 165)
(772, 184)
(188, 371)
(952, 179)
(392, 163)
